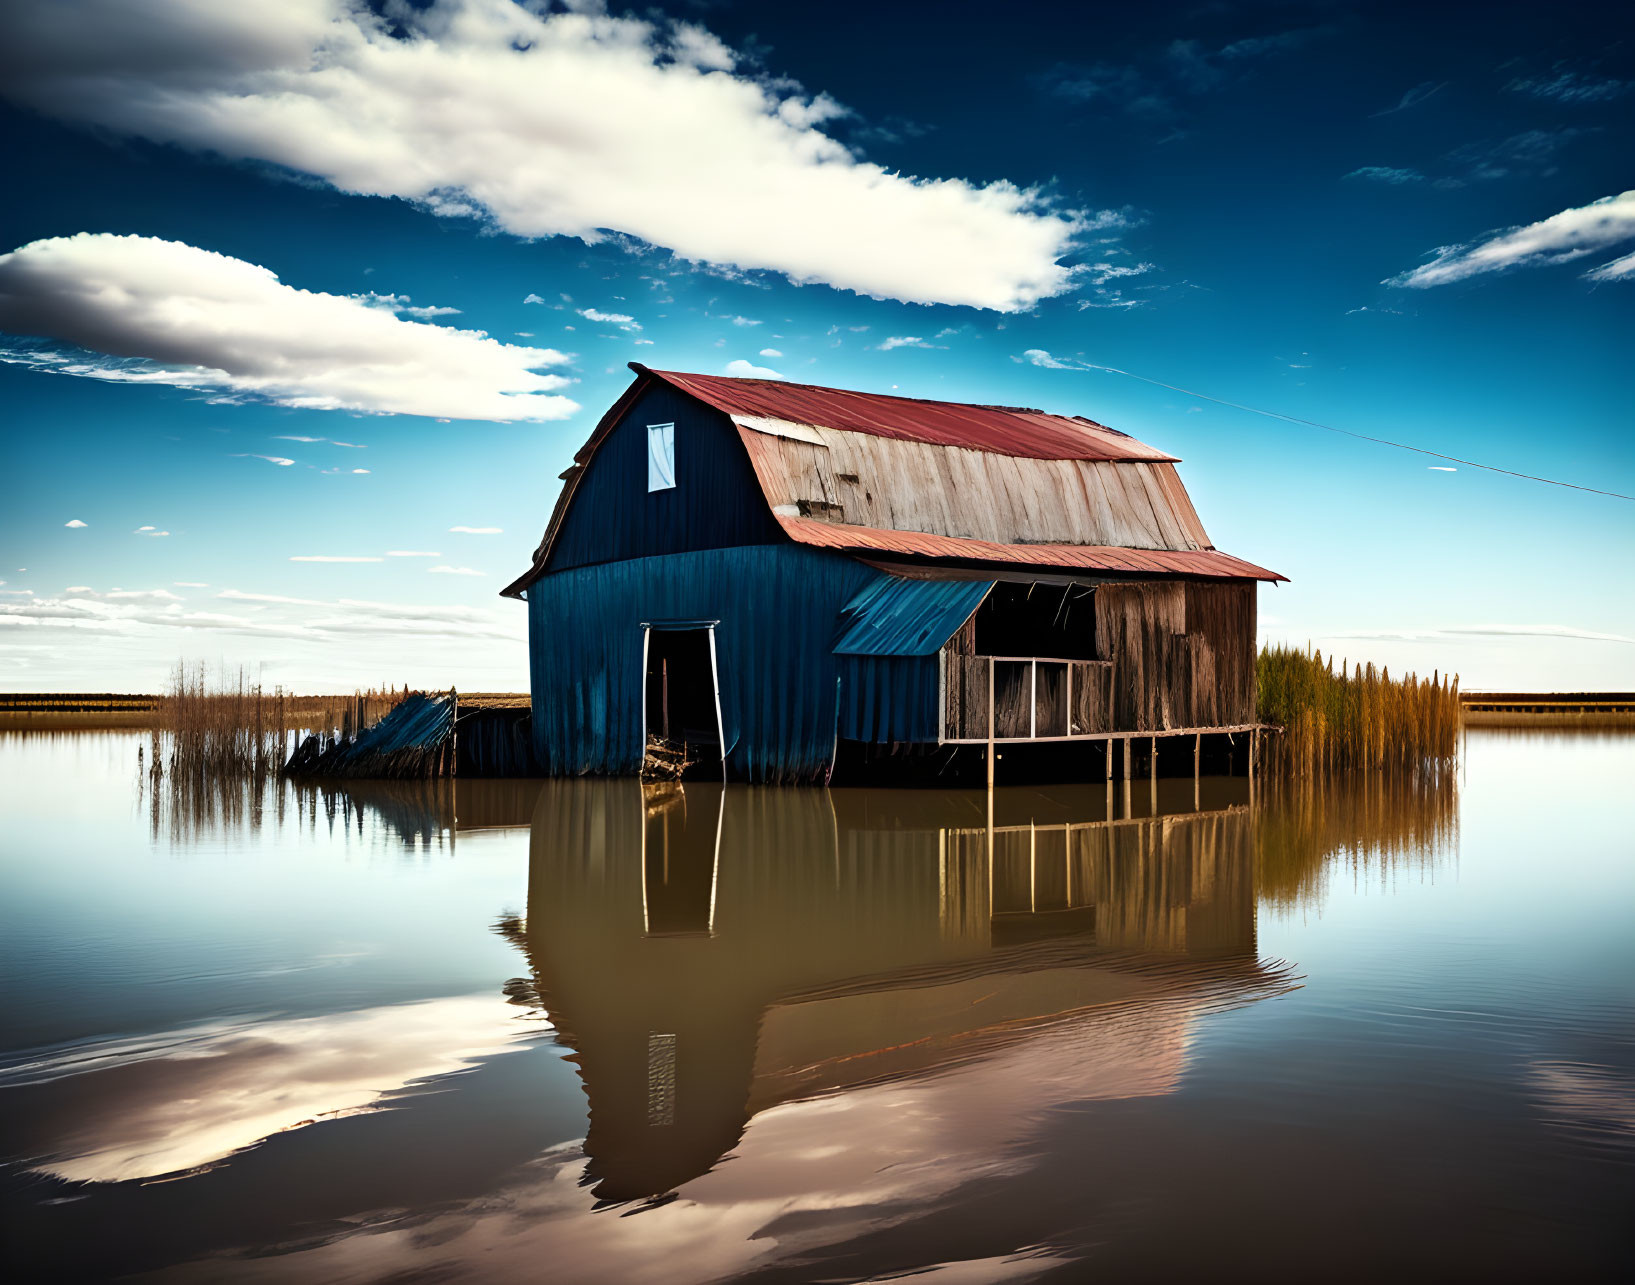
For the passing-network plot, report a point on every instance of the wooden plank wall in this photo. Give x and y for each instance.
(1183, 653)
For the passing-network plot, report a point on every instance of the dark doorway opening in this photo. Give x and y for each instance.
(681, 706)
(1058, 621)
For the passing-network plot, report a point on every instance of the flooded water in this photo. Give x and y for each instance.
(580, 1032)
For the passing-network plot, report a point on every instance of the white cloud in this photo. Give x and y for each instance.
(455, 571)
(356, 446)
(360, 470)
(1561, 238)
(191, 584)
(476, 530)
(744, 321)
(410, 553)
(149, 531)
(748, 370)
(162, 312)
(906, 341)
(141, 595)
(73, 588)
(399, 303)
(622, 320)
(74, 523)
(161, 616)
(1101, 273)
(533, 298)
(292, 437)
(328, 557)
(280, 460)
(682, 151)
(1441, 468)
(770, 352)
(1618, 270)
(1039, 357)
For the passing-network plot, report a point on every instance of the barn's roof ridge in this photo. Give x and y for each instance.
(997, 430)
(868, 474)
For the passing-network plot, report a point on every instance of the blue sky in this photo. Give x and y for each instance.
(1403, 221)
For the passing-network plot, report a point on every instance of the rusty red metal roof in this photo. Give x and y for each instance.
(1088, 557)
(999, 430)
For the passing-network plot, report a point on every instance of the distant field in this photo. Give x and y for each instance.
(1548, 709)
(76, 709)
(62, 710)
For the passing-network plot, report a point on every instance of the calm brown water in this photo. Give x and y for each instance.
(577, 1032)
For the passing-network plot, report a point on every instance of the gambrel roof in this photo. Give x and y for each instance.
(880, 476)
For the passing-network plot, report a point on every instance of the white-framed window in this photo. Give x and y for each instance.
(661, 457)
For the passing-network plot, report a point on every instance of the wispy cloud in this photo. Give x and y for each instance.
(1618, 270)
(770, 352)
(1564, 632)
(1414, 97)
(742, 369)
(906, 341)
(1571, 87)
(333, 557)
(1561, 238)
(75, 524)
(476, 530)
(358, 99)
(280, 460)
(149, 531)
(1158, 86)
(1386, 174)
(159, 614)
(190, 318)
(455, 571)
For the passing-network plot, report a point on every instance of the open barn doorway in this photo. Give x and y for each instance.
(683, 708)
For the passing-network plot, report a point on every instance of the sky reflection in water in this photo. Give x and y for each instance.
(340, 1034)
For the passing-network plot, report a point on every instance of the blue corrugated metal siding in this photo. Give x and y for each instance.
(777, 608)
(889, 698)
(896, 616)
(715, 503)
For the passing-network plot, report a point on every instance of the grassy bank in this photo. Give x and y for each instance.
(1335, 720)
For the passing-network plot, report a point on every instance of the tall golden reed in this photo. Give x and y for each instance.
(1362, 721)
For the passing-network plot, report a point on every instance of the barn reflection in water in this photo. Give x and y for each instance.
(709, 953)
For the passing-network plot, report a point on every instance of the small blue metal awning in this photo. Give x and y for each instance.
(896, 616)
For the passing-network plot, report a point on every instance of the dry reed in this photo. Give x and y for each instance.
(228, 726)
(1364, 720)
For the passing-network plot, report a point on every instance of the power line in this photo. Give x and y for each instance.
(1346, 432)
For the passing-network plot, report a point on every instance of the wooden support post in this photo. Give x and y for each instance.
(1197, 772)
(454, 715)
(1109, 760)
(1127, 752)
(990, 731)
(1152, 780)
(1254, 746)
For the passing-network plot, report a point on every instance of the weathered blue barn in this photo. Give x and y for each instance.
(762, 571)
